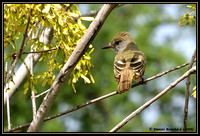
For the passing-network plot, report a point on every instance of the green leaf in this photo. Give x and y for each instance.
(73, 87)
(25, 90)
(33, 89)
(91, 77)
(44, 82)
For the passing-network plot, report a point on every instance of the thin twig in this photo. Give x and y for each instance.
(8, 114)
(25, 39)
(159, 75)
(43, 51)
(33, 104)
(43, 93)
(8, 104)
(187, 94)
(144, 106)
(32, 91)
(92, 13)
(97, 99)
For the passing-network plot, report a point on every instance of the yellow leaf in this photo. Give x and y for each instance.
(194, 89)
(66, 5)
(91, 50)
(87, 18)
(46, 48)
(87, 80)
(194, 94)
(189, 6)
(29, 6)
(78, 66)
(46, 9)
(65, 31)
(74, 80)
(57, 6)
(90, 46)
(91, 77)
(25, 90)
(38, 7)
(87, 57)
(73, 14)
(74, 88)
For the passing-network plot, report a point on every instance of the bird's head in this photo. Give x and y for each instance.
(120, 41)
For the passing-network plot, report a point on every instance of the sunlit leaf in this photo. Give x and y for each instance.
(73, 87)
(25, 90)
(46, 8)
(91, 77)
(87, 80)
(57, 6)
(87, 18)
(194, 93)
(44, 82)
(87, 57)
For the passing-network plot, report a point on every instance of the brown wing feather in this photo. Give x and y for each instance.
(127, 67)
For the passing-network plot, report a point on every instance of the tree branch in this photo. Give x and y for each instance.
(43, 51)
(8, 103)
(97, 99)
(187, 94)
(34, 109)
(92, 13)
(144, 106)
(70, 64)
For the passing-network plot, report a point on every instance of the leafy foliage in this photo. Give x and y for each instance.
(67, 33)
(194, 93)
(189, 18)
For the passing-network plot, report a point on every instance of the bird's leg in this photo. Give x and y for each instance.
(143, 81)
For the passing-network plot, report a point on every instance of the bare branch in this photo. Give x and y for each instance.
(70, 64)
(92, 13)
(159, 75)
(32, 91)
(187, 94)
(144, 106)
(97, 99)
(8, 103)
(43, 51)
(8, 114)
(43, 93)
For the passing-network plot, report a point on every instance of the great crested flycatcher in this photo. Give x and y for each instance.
(129, 63)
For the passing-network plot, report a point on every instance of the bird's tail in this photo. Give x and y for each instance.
(125, 80)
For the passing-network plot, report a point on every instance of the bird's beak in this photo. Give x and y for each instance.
(107, 46)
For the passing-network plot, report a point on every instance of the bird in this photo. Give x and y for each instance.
(129, 62)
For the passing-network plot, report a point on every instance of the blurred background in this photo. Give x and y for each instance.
(155, 29)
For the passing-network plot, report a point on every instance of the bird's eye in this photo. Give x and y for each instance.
(117, 42)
